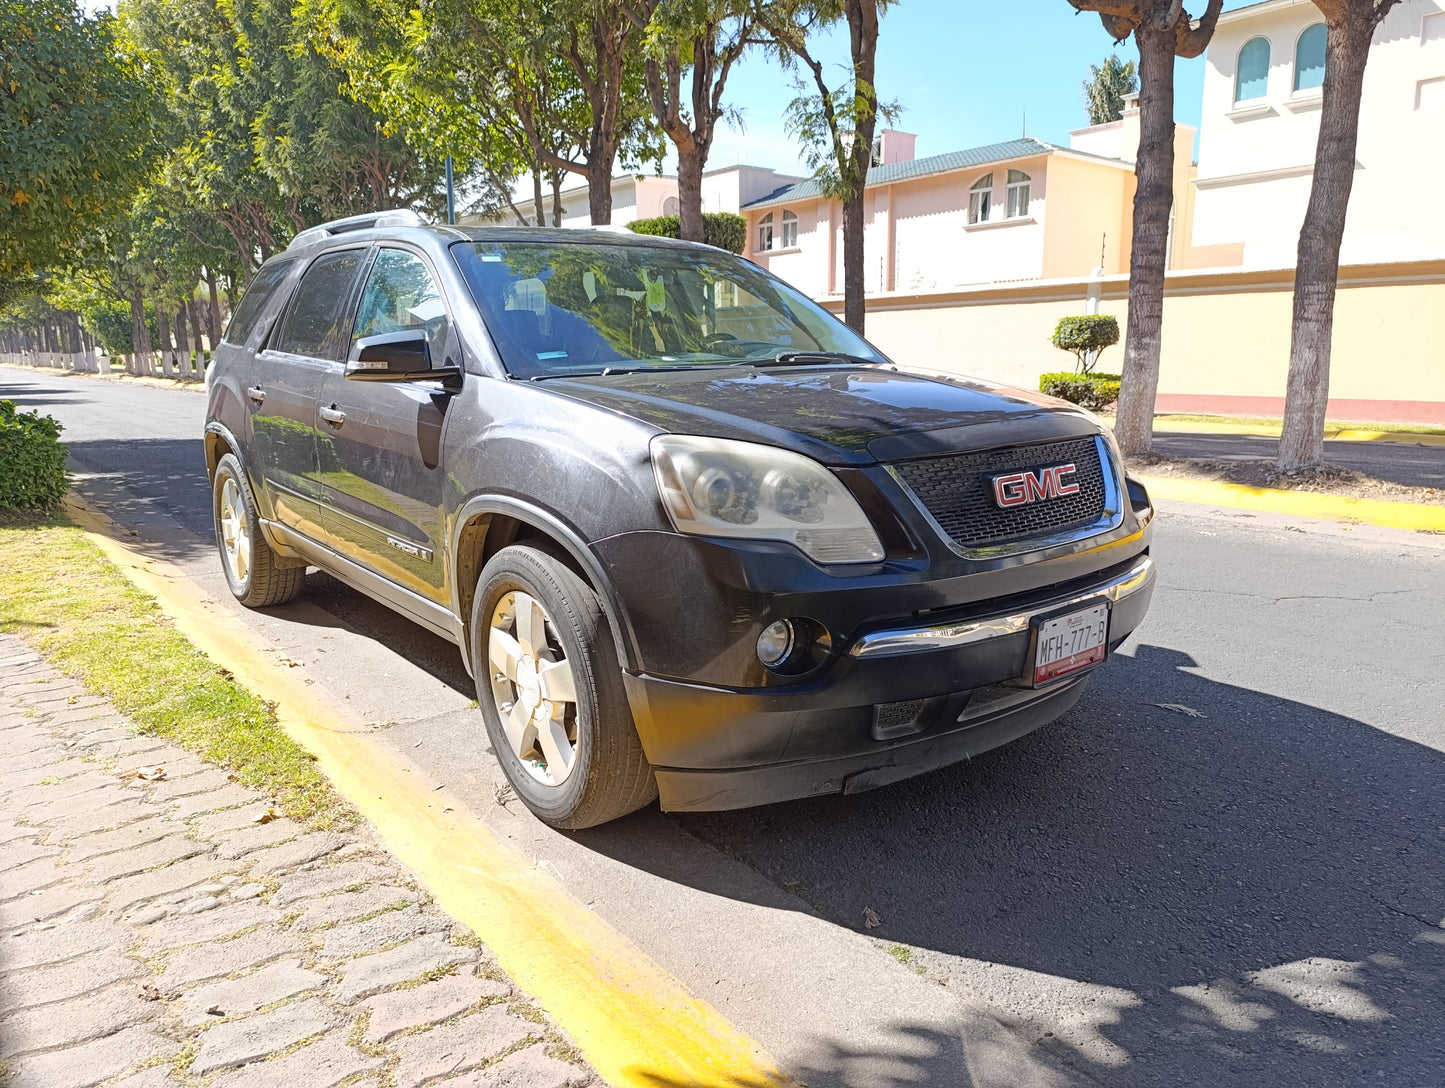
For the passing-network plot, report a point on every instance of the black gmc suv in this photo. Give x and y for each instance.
(694, 537)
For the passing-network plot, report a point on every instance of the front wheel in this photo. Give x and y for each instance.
(252, 571)
(549, 686)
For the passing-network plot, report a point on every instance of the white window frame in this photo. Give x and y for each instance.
(790, 229)
(1239, 66)
(765, 233)
(1017, 193)
(980, 200)
(1294, 83)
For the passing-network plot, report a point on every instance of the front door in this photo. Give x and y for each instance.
(286, 381)
(379, 443)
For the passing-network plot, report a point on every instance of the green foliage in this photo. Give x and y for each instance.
(75, 125)
(108, 320)
(1093, 391)
(1086, 336)
(722, 229)
(1106, 87)
(32, 460)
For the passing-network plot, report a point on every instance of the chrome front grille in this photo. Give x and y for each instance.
(957, 492)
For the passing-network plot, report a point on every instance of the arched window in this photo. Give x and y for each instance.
(1251, 80)
(980, 199)
(1018, 194)
(1309, 58)
(670, 206)
(765, 233)
(790, 229)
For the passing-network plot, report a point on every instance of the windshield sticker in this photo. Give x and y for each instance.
(656, 294)
(551, 355)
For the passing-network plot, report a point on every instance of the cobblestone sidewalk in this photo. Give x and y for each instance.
(153, 933)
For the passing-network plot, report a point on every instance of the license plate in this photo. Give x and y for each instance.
(1069, 643)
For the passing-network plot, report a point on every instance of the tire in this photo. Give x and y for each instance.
(252, 569)
(574, 762)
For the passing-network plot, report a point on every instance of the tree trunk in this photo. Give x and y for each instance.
(599, 190)
(537, 205)
(1307, 392)
(215, 314)
(140, 335)
(1148, 259)
(689, 193)
(854, 307)
(163, 326)
(183, 341)
(557, 209)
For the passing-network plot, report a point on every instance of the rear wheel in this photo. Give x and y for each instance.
(252, 571)
(549, 686)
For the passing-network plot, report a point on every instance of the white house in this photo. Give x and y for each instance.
(1261, 123)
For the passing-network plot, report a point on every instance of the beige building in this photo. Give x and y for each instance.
(1261, 120)
(1013, 211)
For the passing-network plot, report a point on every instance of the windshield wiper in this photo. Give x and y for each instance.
(810, 358)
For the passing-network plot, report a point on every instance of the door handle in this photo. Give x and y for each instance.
(256, 393)
(333, 416)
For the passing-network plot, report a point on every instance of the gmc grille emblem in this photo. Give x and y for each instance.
(1018, 488)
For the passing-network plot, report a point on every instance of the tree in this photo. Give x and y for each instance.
(1350, 26)
(1106, 87)
(706, 37)
(75, 114)
(836, 126)
(1162, 30)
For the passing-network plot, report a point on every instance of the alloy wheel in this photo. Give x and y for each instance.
(533, 687)
(235, 532)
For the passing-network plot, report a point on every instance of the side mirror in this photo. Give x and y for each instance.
(396, 357)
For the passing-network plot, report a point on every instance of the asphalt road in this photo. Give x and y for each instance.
(1226, 866)
(1413, 466)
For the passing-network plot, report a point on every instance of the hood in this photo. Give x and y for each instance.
(835, 415)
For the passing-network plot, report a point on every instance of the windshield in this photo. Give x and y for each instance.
(560, 307)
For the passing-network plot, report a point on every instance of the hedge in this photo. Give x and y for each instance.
(32, 460)
(1085, 337)
(1086, 390)
(721, 229)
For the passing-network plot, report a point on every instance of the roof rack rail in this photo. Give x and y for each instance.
(400, 217)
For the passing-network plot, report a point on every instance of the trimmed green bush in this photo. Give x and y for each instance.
(721, 229)
(32, 460)
(1085, 337)
(1093, 391)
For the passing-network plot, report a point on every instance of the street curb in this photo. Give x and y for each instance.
(1338, 434)
(155, 381)
(635, 1023)
(1391, 515)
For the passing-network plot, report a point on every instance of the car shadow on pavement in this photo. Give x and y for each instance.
(1180, 882)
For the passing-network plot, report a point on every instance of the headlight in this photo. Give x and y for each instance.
(716, 487)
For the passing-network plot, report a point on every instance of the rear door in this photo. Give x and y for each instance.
(379, 443)
(309, 339)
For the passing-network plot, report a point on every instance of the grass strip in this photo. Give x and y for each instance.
(61, 594)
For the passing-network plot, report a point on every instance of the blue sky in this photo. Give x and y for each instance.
(965, 72)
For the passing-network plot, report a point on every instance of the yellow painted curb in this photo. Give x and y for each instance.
(637, 1024)
(1394, 515)
(1333, 434)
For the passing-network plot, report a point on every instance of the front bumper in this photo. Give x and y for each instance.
(899, 702)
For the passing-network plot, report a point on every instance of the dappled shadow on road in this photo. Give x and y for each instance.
(38, 397)
(149, 487)
(1140, 895)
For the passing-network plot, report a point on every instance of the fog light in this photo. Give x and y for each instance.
(776, 643)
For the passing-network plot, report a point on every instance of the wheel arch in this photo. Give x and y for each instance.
(487, 524)
(219, 441)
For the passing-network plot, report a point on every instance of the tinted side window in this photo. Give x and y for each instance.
(401, 294)
(254, 301)
(316, 323)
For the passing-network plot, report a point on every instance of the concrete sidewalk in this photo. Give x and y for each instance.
(159, 928)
